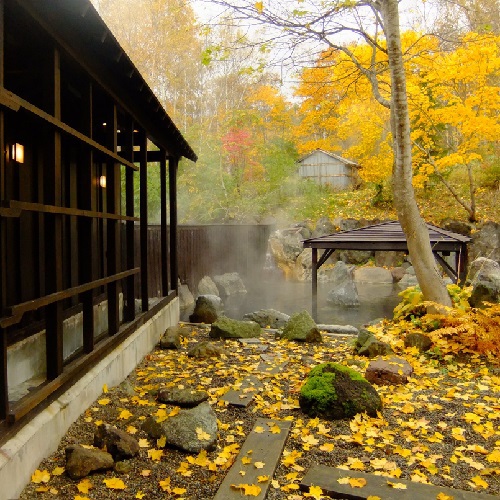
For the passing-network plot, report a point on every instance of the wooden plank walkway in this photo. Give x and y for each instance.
(327, 479)
(263, 447)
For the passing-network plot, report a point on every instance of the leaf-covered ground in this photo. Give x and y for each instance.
(443, 427)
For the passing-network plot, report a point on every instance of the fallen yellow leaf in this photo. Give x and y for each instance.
(58, 471)
(397, 486)
(40, 476)
(259, 465)
(114, 484)
(479, 481)
(202, 435)
(84, 486)
(104, 401)
(155, 455)
(314, 492)
(251, 490)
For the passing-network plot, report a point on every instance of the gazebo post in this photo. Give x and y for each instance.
(315, 284)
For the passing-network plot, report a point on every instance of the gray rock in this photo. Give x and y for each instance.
(372, 275)
(228, 328)
(230, 284)
(374, 347)
(269, 318)
(389, 259)
(117, 442)
(484, 275)
(391, 371)
(456, 226)
(206, 350)
(186, 298)
(363, 336)
(80, 461)
(340, 329)
(152, 428)
(486, 242)
(397, 273)
(355, 257)
(123, 467)
(301, 327)
(324, 226)
(207, 309)
(422, 342)
(186, 398)
(408, 279)
(344, 292)
(206, 286)
(182, 430)
(171, 339)
(333, 391)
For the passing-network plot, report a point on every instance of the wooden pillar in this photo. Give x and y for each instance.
(462, 258)
(87, 227)
(128, 153)
(315, 284)
(143, 174)
(53, 228)
(113, 237)
(173, 164)
(163, 224)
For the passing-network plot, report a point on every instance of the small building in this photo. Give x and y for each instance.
(329, 169)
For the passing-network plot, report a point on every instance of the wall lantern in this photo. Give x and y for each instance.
(102, 181)
(17, 153)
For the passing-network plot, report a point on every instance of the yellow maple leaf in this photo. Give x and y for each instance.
(161, 442)
(494, 456)
(259, 465)
(314, 492)
(84, 486)
(131, 429)
(259, 429)
(355, 463)
(397, 486)
(154, 454)
(145, 473)
(179, 491)
(259, 7)
(40, 476)
(42, 489)
(408, 408)
(327, 447)
(444, 496)
(246, 460)
(252, 490)
(479, 481)
(58, 471)
(373, 497)
(202, 435)
(104, 401)
(143, 443)
(275, 429)
(114, 484)
(165, 485)
(357, 482)
(262, 479)
(140, 495)
(105, 388)
(78, 497)
(125, 415)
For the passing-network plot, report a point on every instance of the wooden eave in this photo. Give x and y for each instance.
(80, 32)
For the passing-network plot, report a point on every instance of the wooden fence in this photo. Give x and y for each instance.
(207, 250)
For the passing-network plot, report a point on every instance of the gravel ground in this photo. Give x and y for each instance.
(443, 427)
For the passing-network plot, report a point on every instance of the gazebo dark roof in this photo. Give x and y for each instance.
(387, 236)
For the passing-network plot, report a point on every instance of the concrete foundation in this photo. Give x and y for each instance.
(21, 455)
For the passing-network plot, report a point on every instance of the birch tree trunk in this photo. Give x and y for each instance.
(417, 236)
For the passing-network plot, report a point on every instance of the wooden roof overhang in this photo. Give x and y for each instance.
(81, 32)
(388, 236)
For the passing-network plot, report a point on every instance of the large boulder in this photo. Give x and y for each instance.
(324, 226)
(207, 309)
(286, 246)
(230, 284)
(192, 430)
(186, 398)
(269, 318)
(371, 274)
(389, 258)
(333, 391)
(484, 276)
(171, 339)
(227, 328)
(205, 349)
(301, 327)
(186, 299)
(206, 286)
(486, 242)
(390, 371)
(80, 461)
(116, 442)
(344, 293)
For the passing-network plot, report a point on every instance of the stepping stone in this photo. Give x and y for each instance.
(242, 397)
(326, 478)
(254, 343)
(262, 445)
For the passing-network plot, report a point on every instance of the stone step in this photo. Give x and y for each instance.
(327, 479)
(262, 445)
(243, 396)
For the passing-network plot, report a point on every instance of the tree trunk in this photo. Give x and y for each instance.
(417, 235)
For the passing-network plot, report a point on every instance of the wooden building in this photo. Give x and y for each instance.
(329, 169)
(78, 127)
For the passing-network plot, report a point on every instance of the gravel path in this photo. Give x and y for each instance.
(443, 427)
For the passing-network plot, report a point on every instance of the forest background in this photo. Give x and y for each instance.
(250, 110)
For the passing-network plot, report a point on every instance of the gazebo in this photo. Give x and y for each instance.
(387, 236)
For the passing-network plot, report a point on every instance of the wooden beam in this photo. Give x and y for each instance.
(314, 270)
(163, 225)
(144, 219)
(173, 164)
(6, 95)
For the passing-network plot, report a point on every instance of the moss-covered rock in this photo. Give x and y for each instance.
(228, 328)
(301, 327)
(334, 391)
